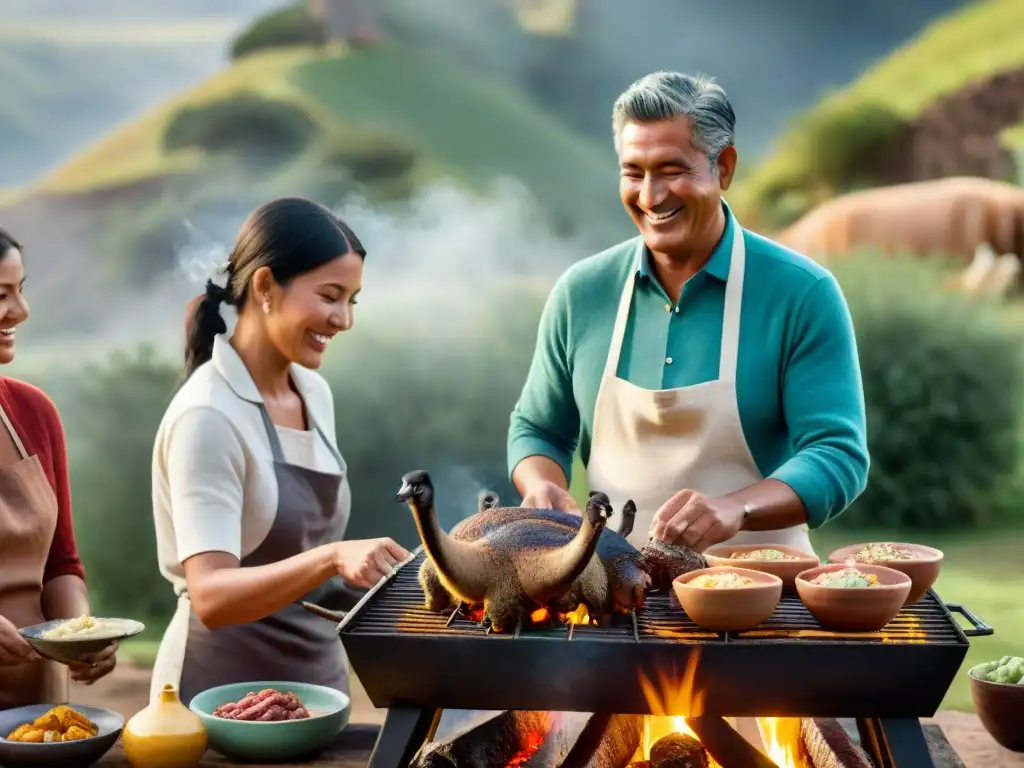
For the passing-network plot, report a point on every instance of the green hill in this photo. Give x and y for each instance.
(968, 46)
(459, 125)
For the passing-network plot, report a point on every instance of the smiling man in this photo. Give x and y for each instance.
(703, 371)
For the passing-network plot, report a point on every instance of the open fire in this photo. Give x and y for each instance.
(777, 738)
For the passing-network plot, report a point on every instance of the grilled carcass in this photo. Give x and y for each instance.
(616, 581)
(512, 569)
(628, 573)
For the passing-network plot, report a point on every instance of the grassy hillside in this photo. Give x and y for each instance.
(970, 45)
(58, 95)
(464, 127)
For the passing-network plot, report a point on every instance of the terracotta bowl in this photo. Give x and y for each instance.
(923, 569)
(1000, 707)
(733, 609)
(845, 609)
(784, 569)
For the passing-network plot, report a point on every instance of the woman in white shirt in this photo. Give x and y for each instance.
(250, 493)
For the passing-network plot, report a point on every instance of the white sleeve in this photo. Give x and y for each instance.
(205, 473)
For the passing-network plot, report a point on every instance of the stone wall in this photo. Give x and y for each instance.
(959, 135)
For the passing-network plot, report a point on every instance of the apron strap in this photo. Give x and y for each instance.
(330, 446)
(732, 309)
(14, 433)
(275, 440)
(611, 366)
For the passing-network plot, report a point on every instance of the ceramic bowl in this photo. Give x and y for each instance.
(732, 609)
(784, 569)
(62, 754)
(923, 569)
(854, 609)
(289, 740)
(1000, 707)
(76, 648)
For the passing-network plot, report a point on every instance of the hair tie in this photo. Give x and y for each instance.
(216, 294)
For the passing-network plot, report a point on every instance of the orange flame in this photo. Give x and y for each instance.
(780, 738)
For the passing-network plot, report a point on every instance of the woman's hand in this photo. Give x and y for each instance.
(364, 562)
(92, 668)
(14, 649)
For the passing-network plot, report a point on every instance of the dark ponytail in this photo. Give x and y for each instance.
(291, 236)
(202, 325)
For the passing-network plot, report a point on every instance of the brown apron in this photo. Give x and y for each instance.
(28, 519)
(292, 644)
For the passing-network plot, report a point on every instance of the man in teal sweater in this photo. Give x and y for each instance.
(705, 372)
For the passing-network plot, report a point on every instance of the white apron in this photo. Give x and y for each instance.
(649, 444)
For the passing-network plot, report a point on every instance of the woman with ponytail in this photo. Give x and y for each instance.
(250, 493)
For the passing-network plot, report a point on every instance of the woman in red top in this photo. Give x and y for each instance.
(41, 577)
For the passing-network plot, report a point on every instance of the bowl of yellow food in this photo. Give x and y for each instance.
(66, 640)
(853, 598)
(728, 598)
(922, 564)
(784, 562)
(64, 736)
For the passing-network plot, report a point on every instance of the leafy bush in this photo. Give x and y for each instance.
(245, 124)
(942, 381)
(283, 28)
(842, 139)
(111, 414)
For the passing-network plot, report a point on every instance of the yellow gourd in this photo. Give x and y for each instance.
(166, 734)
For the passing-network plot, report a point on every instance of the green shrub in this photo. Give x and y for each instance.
(111, 413)
(943, 379)
(843, 139)
(289, 26)
(247, 125)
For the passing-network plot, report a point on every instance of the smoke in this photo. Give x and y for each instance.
(458, 488)
(428, 257)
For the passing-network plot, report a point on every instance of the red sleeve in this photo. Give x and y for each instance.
(63, 559)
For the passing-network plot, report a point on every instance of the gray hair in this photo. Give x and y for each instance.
(667, 95)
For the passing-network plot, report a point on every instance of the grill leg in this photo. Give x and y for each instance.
(895, 742)
(405, 731)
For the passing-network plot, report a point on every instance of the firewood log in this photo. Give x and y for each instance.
(829, 746)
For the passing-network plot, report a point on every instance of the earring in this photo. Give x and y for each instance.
(266, 306)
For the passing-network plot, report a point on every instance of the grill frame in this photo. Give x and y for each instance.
(595, 669)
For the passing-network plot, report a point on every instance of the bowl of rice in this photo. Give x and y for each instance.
(853, 598)
(776, 559)
(920, 563)
(728, 598)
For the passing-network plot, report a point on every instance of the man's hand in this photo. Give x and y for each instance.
(92, 668)
(696, 520)
(547, 495)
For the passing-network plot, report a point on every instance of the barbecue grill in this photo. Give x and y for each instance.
(417, 663)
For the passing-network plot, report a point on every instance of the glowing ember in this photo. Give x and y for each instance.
(533, 743)
(540, 616)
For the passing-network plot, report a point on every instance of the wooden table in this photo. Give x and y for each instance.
(351, 750)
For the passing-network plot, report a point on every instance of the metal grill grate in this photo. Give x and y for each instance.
(397, 609)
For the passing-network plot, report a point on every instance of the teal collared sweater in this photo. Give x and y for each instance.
(799, 389)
